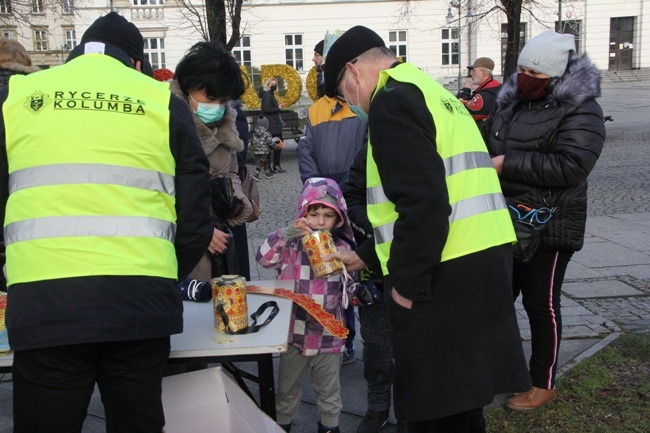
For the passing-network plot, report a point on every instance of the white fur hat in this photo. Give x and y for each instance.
(548, 53)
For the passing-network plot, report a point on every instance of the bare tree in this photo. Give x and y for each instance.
(212, 19)
(512, 8)
(27, 13)
(194, 16)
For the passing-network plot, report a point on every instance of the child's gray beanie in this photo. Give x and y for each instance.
(548, 53)
(262, 122)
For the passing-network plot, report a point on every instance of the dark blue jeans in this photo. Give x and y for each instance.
(377, 355)
(52, 386)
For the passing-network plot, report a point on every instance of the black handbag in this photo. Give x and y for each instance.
(530, 224)
(224, 203)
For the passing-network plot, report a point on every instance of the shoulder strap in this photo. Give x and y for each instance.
(254, 327)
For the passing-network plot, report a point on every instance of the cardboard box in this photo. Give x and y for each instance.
(210, 401)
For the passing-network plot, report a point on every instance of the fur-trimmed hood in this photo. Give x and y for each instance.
(580, 82)
(223, 133)
(19, 68)
(7, 69)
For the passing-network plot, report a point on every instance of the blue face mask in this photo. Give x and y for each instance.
(209, 113)
(356, 109)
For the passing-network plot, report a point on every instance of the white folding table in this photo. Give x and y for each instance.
(200, 343)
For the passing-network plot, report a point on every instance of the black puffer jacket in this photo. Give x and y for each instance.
(550, 147)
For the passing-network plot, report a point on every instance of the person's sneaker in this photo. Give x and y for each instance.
(323, 429)
(270, 175)
(373, 422)
(532, 399)
(256, 177)
(348, 356)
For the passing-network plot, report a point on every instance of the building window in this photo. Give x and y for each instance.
(68, 6)
(70, 38)
(293, 51)
(571, 27)
(5, 7)
(37, 6)
(504, 41)
(40, 40)
(397, 43)
(154, 51)
(450, 46)
(242, 51)
(147, 2)
(8, 34)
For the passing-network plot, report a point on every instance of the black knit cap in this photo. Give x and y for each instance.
(349, 46)
(319, 47)
(115, 30)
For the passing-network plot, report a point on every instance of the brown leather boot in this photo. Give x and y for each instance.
(531, 399)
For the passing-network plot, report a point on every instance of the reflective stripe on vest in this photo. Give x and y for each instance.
(91, 174)
(479, 217)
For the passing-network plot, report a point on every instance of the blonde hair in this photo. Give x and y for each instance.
(12, 51)
(267, 83)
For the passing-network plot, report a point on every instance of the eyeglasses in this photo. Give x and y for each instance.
(340, 77)
(540, 216)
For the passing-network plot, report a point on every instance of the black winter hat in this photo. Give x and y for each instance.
(319, 47)
(115, 30)
(349, 46)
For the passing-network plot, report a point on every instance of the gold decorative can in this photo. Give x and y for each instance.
(318, 244)
(229, 296)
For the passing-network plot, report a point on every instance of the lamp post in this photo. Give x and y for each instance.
(450, 19)
(64, 49)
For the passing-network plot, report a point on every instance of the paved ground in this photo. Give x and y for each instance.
(607, 287)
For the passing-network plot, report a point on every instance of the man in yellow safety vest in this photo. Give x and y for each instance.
(104, 194)
(442, 239)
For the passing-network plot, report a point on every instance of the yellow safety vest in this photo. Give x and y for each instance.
(479, 218)
(91, 174)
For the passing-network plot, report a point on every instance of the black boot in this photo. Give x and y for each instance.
(276, 161)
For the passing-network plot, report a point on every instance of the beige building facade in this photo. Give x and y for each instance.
(428, 33)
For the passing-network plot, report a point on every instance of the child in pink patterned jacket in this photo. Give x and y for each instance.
(321, 206)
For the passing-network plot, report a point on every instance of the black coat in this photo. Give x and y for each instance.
(459, 345)
(117, 308)
(8, 69)
(550, 147)
(271, 110)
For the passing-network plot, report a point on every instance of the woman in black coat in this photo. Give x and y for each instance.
(545, 139)
(271, 109)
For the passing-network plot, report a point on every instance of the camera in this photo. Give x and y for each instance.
(367, 293)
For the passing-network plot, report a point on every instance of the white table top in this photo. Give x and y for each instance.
(200, 338)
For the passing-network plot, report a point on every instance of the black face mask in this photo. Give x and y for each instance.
(273, 88)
